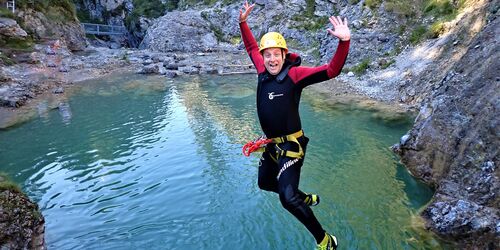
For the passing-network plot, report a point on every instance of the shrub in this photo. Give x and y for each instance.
(235, 40)
(17, 44)
(418, 34)
(387, 64)
(7, 184)
(439, 7)
(436, 29)
(310, 6)
(60, 9)
(311, 23)
(361, 67)
(372, 4)
(401, 8)
(5, 60)
(150, 9)
(4, 12)
(172, 5)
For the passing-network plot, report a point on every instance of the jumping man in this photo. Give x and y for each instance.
(280, 83)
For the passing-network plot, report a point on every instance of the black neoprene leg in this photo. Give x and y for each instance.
(268, 171)
(289, 194)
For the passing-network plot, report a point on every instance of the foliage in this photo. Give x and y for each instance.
(61, 10)
(442, 11)
(436, 29)
(171, 5)
(187, 3)
(387, 64)
(310, 7)
(372, 4)
(5, 60)
(418, 34)
(361, 67)
(218, 32)
(17, 44)
(401, 8)
(310, 23)
(4, 12)
(85, 17)
(235, 40)
(439, 7)
(147, 8)
(7, 184)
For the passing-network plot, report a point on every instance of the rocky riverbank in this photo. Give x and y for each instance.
(49, 72)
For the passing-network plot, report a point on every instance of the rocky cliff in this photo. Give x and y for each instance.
(454, 144)
(303, 23)
(38, 23)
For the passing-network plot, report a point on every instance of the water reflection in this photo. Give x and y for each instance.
(65, 112)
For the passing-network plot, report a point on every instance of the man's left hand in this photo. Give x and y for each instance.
(340, 28)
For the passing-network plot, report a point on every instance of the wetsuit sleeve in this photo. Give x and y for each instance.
(251, 47)
(305, 76)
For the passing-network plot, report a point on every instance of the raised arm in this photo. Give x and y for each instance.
(309, 75)
(249, 40)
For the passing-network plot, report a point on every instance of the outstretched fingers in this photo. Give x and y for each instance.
(244, 14)
(340, 28)
(334, 21)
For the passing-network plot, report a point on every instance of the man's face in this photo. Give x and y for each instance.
(273, 60)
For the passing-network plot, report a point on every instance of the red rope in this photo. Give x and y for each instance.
(252, 146)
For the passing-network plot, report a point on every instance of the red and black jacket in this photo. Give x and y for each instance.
(278, 96)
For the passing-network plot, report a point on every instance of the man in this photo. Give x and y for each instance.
(280, 83)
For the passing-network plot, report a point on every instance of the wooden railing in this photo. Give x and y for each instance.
(102, 29)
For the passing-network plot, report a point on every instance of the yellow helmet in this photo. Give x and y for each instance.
(272, 40)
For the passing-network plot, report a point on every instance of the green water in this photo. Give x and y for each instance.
(130, 162)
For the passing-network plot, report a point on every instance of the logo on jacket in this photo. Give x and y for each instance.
(272, 95)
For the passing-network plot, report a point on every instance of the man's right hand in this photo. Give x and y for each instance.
(244, 14)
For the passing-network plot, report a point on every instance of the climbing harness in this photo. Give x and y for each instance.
(259, 145)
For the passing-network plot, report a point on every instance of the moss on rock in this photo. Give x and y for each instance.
(21, 222)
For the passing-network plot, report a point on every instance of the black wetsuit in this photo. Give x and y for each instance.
(278, 98)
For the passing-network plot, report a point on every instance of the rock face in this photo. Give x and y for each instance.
(114, 12)
(41, 27)
(180, 31)
(9, 28)
(21, 223)
(454, 144)
(104, 10)
(302, 24)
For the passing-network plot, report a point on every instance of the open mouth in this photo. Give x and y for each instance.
(273, 67)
